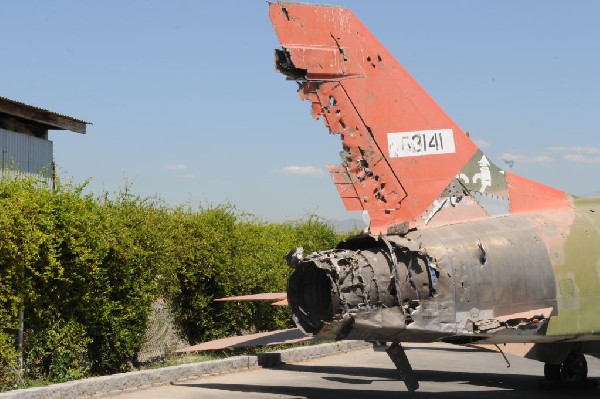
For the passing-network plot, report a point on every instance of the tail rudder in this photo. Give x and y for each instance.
(403, 160)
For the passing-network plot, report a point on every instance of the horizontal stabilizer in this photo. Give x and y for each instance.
(278, 337)
(267, 296)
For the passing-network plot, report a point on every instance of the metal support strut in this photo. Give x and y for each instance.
(398, 356)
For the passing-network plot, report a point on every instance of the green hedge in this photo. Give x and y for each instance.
(88, 268)
(226, 256)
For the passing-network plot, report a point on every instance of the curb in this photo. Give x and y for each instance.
(98, 387)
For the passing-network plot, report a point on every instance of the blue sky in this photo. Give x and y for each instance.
(186, 104)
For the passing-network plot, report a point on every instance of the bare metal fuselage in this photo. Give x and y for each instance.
(519, 278)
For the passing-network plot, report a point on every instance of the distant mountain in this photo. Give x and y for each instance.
(592, 195)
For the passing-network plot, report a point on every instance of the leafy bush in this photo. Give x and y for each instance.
(58, 352)
(8, 361)
(87, 269)
(239, 255)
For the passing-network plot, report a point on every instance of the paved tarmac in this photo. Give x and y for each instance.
(444, 371)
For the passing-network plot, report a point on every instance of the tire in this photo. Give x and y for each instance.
(574, 369)
(552, 372)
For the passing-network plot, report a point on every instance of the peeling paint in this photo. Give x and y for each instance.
(458, 250)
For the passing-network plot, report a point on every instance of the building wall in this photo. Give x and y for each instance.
(25, 153)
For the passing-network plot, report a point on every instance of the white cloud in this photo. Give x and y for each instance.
(579, 158)
(188, 176)
(300, 170)
(578, 154)
(512, 159)
(576, 150)
(482, 143)
(176, 167)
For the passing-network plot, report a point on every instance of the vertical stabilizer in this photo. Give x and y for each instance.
(403, 159)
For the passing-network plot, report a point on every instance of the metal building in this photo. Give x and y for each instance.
(24, 142)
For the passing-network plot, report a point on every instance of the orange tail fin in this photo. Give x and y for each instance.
(403, 160)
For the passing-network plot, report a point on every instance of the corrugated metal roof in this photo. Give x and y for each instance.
(42, 115)
(43, 109)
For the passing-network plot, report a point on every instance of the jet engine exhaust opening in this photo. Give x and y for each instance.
(310, 296)
(328, 290)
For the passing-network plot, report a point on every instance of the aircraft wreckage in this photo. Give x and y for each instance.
(458, 250)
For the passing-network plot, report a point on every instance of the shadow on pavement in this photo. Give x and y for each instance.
(476, 385)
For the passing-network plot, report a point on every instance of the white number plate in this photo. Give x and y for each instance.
(420, 143)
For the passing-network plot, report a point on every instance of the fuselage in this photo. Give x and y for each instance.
(531, 277)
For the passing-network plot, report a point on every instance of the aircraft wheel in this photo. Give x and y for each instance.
(552, 372)
(574, 368)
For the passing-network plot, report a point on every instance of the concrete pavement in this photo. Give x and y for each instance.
(443, 370)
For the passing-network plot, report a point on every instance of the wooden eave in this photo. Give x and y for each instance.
(51, 120)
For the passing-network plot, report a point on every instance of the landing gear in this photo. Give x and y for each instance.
(398, 356)
(573, 370)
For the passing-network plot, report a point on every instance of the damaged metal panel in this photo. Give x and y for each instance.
(363, 163)
(337, 91)
(459, 250)
(499, 266)
(452, 280)
(401, 151)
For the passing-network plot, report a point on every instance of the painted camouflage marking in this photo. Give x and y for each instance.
(578, 274)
